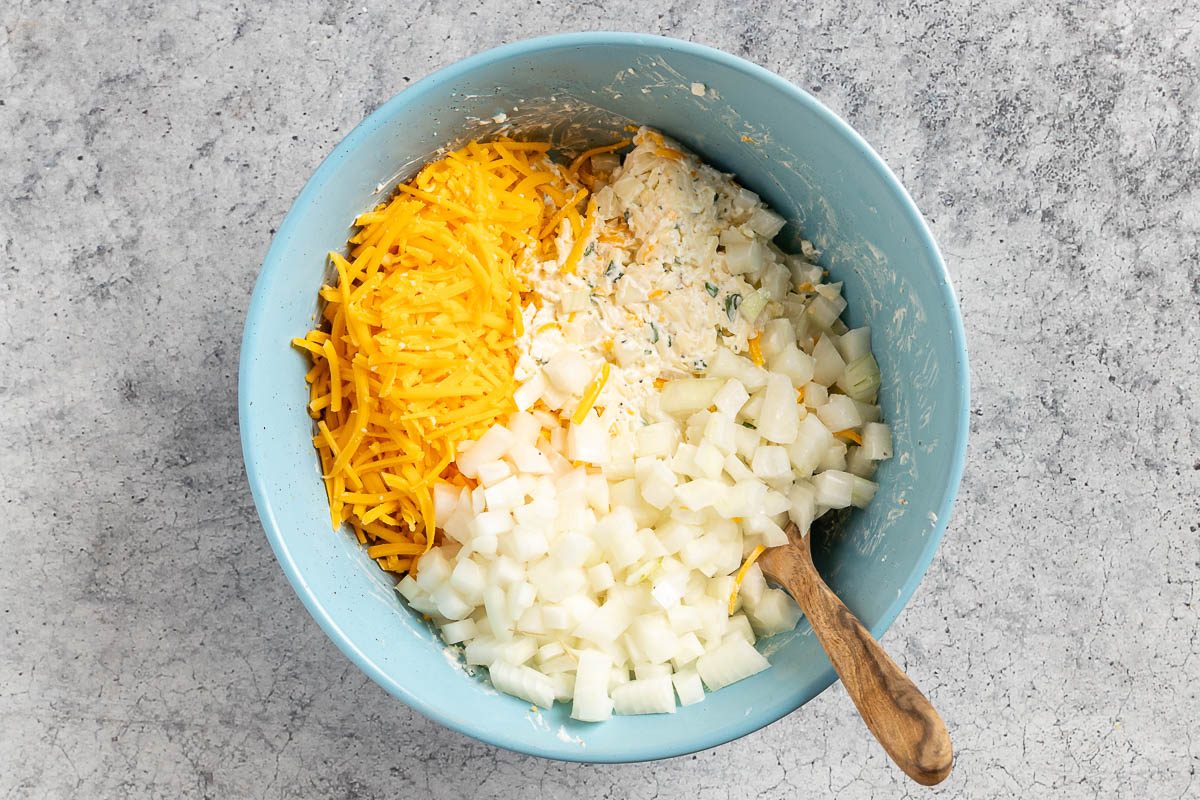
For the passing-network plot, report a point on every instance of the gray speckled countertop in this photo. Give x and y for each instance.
(149, 644)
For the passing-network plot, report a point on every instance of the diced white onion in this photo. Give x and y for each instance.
(688, 686)
(468, 580)
(682, 397)
(745, 256)
(862, 491)
(568, 371)
(727, 364)
(591, 700)
(648, 696)
(588, 441)
(775, 612)
(733, 661)
(854, 344)
(861, 379)
(646, 670)
(877, 441)
(779, 418)
(523, 682)
(791, 361)
(658, 439)
(461, 630)
(833, 488)
(600, 577)
(771, 463)
(829, 364)
(753, 305)
(731, 397)
(839, 413)
(765, 222)
(528, 393)
(823, 312)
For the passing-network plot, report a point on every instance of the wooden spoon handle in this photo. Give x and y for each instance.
(900, 717)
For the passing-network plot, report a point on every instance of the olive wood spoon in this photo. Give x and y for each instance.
(900, 717)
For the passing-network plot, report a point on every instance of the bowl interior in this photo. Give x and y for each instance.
(582, 89)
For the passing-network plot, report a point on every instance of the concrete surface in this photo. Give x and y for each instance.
(150, 646)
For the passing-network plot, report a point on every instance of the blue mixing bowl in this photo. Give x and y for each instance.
(810, 166)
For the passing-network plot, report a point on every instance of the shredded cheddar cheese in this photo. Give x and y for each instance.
(741, 575)
(756, 350)
(417, 348)
(582, 235)
(849, 434)
(590, 394)
(596, 151)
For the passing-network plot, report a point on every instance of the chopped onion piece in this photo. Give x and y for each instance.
(645, 696)
(862, 491)
(688, 686)
(829, 364)
(833, 488)
(839, 413)
(854, 344)
(877, 441)
(861, 379)
(753, 305)
(733, 661)
(681, 397)
(780, 417)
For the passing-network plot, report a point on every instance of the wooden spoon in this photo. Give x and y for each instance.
(900, 717)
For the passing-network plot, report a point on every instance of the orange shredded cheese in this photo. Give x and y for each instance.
(596, 151)
(741, 575)
(418, 340)
(756, 350)
(850, 434)
(552, 225)
(590, 394)
(581, 239)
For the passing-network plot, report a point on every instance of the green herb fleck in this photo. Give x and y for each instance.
(711, 289)
(732, 302)
(750, 425)
(613, 272)
(653, 333)
(626, 215)
(699, 365)
(591, 248)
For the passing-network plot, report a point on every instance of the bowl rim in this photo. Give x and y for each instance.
(272, 262)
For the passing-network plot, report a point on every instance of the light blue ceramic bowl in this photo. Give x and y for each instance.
(807, 164)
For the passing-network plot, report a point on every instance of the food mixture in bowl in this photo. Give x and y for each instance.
(568, 405)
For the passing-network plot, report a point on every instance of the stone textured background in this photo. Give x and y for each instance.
(149, 644)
